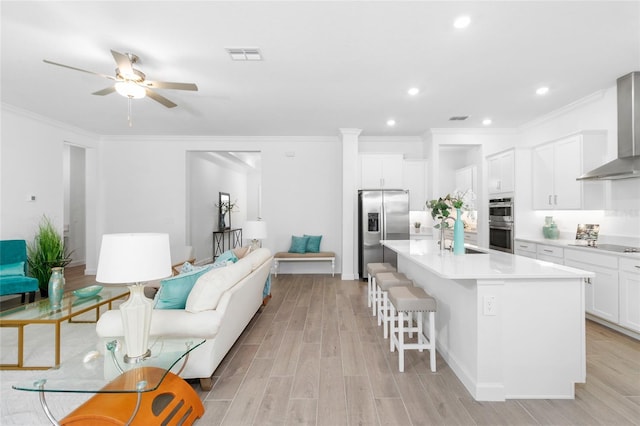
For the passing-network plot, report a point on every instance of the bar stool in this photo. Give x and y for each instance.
(372, 268)
(384, 281)
(406, 300)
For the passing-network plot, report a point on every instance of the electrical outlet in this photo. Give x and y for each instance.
(489, 305)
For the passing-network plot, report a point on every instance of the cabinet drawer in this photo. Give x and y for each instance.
(471, 238)
(587, 257)
(630, 265)
(551, 251)
(526, 246)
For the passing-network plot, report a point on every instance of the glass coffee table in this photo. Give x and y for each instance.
(147, 392)
(40, 312)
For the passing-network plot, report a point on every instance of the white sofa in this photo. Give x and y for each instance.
(238, 286)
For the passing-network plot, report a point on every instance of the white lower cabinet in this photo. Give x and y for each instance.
(601, 295)
(630, 293)
(552, 254)
(525, 248)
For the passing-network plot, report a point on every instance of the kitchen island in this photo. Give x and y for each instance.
(510, 327)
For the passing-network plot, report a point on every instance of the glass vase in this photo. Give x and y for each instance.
(222, 222)
(458, 234)
(56, 288)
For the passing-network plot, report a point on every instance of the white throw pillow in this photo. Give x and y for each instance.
(257, 257)
(208, 290)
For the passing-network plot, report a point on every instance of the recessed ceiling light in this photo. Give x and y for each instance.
(391, 122)
(462, 22)
(542, 90)
(486, 121)
(413, 91)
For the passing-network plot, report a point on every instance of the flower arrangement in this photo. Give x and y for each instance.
(227, 206)
(440, 208)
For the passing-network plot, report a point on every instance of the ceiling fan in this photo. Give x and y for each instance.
(131, 82)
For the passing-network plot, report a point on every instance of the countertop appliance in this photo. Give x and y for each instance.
(501, 233)
(383, 214)
(611, 247)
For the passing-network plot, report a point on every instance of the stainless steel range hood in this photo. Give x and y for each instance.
(627, 165)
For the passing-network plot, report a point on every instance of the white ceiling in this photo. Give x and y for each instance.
(327, 64)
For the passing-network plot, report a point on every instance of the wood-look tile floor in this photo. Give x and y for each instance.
(315, 356)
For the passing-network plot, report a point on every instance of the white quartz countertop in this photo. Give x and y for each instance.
(571, 244)
(492, 264)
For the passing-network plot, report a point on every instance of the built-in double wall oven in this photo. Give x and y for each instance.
(501, 224)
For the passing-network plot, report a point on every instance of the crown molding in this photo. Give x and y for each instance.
(48, 121)
(204, 138)
(596, 96)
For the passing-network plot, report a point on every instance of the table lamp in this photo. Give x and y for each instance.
(134, 259)
(255, 230)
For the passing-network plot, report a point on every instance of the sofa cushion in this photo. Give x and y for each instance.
(165, 323)
(174, 291)
(12, 269)
(313, 245)
(207, 291)
(14, 284)
(298, 244)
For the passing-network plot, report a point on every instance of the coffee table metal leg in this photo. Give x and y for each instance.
(43, 403)
(57, 343)
(20, 346)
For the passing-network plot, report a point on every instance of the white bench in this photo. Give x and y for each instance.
(323, 256)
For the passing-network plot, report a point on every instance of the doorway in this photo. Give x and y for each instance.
(74, 226)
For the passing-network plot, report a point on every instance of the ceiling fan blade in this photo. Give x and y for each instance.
(159, 98)
(124, 63)
(79, 69)
(170, 85)
(106, 91)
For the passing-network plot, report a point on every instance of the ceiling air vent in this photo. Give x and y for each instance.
(244, 53)
(458, 118)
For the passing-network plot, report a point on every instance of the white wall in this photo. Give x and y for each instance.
(621, 221)
(300, 193)
(31, 163)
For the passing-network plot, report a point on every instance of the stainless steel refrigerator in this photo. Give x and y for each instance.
(383, 214)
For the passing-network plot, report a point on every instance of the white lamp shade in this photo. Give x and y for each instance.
(133, 258)
(255, 230)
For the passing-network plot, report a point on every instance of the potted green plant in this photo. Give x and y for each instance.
(46, 251)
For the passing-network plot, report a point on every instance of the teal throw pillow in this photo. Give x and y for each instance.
(174, 291)
(227, 257)
(313, 245)
(12, 270)
(298, 244)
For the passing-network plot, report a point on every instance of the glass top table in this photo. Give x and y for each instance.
(104, 371)
(40, 312)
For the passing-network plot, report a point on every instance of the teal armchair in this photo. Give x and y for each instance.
(13, 270)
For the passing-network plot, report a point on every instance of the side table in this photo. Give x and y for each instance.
(226, 239)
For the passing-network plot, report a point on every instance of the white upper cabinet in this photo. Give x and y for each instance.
(415, 180)
(500, 172)
(466, 179)
(381, 171)
(556, 166)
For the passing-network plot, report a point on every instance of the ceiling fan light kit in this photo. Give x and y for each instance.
(132, 83)
(129, 89)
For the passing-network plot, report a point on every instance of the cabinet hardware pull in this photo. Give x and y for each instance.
(548, 251)
(555, 200)
(549, 200)
(637, 266)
